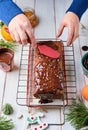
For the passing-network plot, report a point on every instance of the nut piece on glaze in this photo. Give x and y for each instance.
(6, 59)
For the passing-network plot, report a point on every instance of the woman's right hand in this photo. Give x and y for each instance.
(21, 30)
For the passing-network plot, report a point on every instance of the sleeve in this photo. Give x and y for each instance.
(78, 7)
(8, 10)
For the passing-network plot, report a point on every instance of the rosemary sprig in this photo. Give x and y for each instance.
(6, 124)
(7, 109)
(8, 44)
(78, 114)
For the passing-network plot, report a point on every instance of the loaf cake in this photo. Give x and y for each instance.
(48, 73)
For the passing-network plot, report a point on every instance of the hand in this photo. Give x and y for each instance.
(21, 30)
(71, 21)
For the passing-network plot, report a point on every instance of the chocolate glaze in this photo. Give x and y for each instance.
(48, 74)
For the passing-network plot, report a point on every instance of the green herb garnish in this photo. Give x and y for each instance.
(1, 24)
(6, 124)
(8, 44)
(7, 109)
(78, 114)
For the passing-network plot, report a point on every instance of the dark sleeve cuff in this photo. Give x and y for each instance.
(8, 10)
(78, 7)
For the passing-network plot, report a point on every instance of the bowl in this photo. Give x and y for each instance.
(84, 63)
(6, 59)
(30, 14)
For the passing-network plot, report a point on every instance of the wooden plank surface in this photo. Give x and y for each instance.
(3, 76)
(49, 13)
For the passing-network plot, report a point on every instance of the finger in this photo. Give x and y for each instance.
(76, 33)
(16, 36)
(31, 37)
(70, 35)
(60, 30)
(12, 35)
(23, 36)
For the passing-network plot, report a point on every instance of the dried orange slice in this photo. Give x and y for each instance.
(5, 33)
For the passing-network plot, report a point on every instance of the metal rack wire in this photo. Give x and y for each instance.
(69, 83)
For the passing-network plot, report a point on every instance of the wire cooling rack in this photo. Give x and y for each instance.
(69, 82)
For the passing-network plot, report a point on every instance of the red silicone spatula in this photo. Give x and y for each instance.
(48, 51)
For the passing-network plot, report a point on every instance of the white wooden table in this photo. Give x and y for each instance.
(50, 13)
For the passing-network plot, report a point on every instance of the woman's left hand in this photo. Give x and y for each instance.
(71, 21)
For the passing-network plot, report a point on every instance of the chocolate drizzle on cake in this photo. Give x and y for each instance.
(48, 74)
